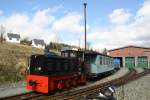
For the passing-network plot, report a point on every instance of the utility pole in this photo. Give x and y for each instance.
(85, 4)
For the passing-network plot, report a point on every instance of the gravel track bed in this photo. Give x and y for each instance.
(135, 90)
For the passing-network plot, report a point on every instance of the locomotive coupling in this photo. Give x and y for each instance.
(31, 82)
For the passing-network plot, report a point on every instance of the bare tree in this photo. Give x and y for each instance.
(105, 51)
(57, 40)
(88, 45)
(2, 31)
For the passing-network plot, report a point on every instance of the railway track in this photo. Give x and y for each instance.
(24, 96)
(79, 94)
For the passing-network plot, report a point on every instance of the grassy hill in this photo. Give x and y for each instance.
(14, 61)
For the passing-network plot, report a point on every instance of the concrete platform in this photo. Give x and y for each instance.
(12, 89)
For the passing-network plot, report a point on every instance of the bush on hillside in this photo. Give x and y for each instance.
(26, 41)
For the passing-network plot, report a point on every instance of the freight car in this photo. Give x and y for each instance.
(51, 72)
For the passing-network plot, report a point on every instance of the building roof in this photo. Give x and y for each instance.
(96, 53)
(11, 35)
(130, 46)
(69, 48)
(39, 42)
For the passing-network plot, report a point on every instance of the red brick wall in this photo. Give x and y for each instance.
(130, 51)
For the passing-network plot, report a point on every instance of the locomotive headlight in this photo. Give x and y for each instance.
(39, 68)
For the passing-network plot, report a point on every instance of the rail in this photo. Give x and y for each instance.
(76, 94)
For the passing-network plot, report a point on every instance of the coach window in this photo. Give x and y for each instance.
(101, 62)
(107, 60)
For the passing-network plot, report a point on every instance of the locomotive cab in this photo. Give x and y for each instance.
(69, 53)
(75, 54)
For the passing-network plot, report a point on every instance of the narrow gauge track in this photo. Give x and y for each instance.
(82, 93)
(79, 94)
(24, 96)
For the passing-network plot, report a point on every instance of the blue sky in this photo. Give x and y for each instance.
(96, 9)
(111, 23)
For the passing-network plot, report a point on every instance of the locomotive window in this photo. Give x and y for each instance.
(72, 54)
(62, 54)
(87, 58)
(65, 54)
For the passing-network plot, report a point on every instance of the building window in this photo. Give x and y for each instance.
(10, 38)
(17, 39)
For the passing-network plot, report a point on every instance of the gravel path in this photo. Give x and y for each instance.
(139, 70)
(135, 90)
(12, 89)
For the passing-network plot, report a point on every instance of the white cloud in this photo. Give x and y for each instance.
(42, 19)
(69, 23)
(51, 9)
(133, 33)
(29, 26)
(145, 10)
(43, 24)
(119, 16)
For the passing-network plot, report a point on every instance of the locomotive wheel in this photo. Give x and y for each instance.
(67, 84)
(59, 86)
(74, 83)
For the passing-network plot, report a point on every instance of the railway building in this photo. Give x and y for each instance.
(132, 56)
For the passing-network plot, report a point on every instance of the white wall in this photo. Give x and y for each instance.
(37, 46)
(13, 40)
